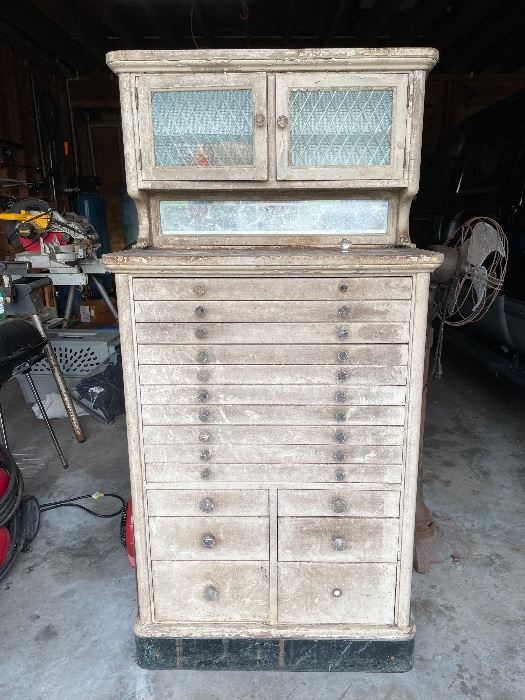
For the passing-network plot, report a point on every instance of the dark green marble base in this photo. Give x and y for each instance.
(275, 654)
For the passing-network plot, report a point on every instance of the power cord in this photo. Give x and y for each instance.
(69, 503)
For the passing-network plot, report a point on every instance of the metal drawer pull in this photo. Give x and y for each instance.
(340, 475)
(340, 396)
(342, 375)
(342, 333)
(259, 119)
(340, 417)
(204, 415)
(338, 543)
(200, 311)
(208, 541)
(204, 437)
(206, 505)
(206, 474)
(199, 290)
(203, 396)
(339, 505)
(201, 332)
(203, 375)
(337, 592)
(343, 356)
(282, 121)
(340, 436)
(205, 456)
(202, 357)
(343, 287)
(211, 593)
(344, 311)
(339, 455)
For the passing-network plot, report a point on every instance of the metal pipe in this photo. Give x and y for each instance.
(105, 296)
(31, 383)
(3, 434)
(59, 379)
(69, 305)
(37, 123)
(72, 126)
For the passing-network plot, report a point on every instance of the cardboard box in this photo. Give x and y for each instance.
(96, 313)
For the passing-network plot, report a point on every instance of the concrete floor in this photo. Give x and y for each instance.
(67, 607)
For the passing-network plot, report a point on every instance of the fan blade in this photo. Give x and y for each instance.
(479, 283)
(483, 241)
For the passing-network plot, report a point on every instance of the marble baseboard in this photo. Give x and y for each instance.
(374, 656)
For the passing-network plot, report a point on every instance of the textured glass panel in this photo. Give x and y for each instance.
(203, 127)
(340, 127)
(333, 216)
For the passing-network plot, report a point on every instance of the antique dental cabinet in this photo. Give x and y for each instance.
(273, 317)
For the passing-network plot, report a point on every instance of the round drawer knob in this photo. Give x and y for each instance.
(282, 121)
(199, 290)
(339, 455)
(202, 357)
(206, 505)
(340, 475)
(339, 505)
(201, 333)
(343, 288)
(211, 593)
(204, 437)
(204, 415)
(344, 311)
(203, 375)
(208, 541)
(206, 474)
(205, 456)
(200, 311)
(203, 396)
(338, 543)
(337, 592)
(342, 375)
(343, 356)
(342, 333)
(340, 396)
(340, 417)
(340, 436)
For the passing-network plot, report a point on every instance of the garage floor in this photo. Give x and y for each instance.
(67, 608)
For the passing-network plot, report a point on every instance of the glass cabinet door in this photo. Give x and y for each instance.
(203, 127)
(331, 126)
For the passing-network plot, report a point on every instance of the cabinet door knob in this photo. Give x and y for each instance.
(259, 119)
(339, 455)
(339, 505)
(203, 375)
(205, 456)
(206, 474)
(343, 287)
(206, 505)
(208, 541)
(344, 311)
(282, 121)
(340, 396)
(340, 475)
(338, 542)
(337, 592)
(211, 593)
(342, 333)
(203, 396)
(342, 375)
(204, 437)
(202, 357)
(204, 415)
(343, 356)
(200, 311)
(340, 417)
(340, 436)
(201, 333)
(199, 290)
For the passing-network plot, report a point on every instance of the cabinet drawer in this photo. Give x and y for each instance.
(197, 414)
(208, 538)
(273, 435)
(206, 311)
(340, 502)
(338, 539)
(345, 375)
(387, 355)
(232, 454)
(313, 288)
(210, 591)
(183, 502)
(336, 593)
(284, 395)
(168, 472)
(271, 333)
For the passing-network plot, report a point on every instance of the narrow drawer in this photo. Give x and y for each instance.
(293, 454)
(345, 375)
(284, 395)
(267, 311)
(338, 539)
(354, 354)
(210, 591)
(203, 538)
(168, 472)
(349, 503)
(184, 502)
(199, 414)
(336, 593)
(198, 289)
(271, 333)
(273, 435)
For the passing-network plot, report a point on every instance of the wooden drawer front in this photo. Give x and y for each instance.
(263, 311)
(271, 333)
(336, 593)
(200, 289)
(207, 503)
(199, 414)
(265, 395)
(372, 355)
(205, 538)
(340, 502)
(168, 472)
(262, 374)
(273, 435)
(233, 454)
(338, 539)
(211, 591)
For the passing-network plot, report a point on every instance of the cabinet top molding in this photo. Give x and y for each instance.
(274, 60)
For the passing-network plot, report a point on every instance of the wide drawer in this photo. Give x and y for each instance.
(265, 311)
(271, 333)
(285, 394)
(185, 502)
(232, 454)
(336, 593)
(211, 591)
(205, 538)
(273, 435)
(196, 414)
(388, 355)
(346, 375)
(168, 472)
(338, 539)
(198, 289)
(349, 503)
